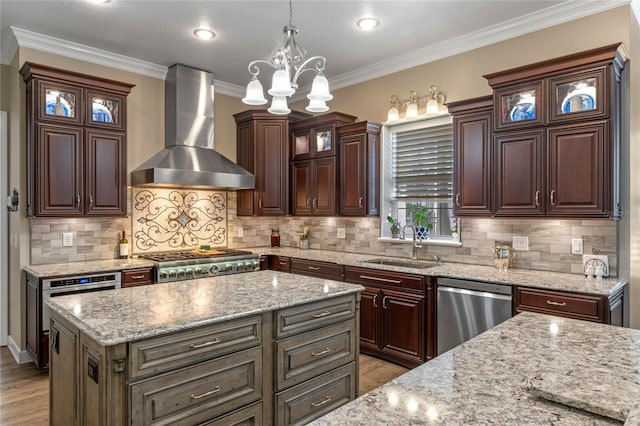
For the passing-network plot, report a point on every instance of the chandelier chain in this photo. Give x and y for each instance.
(290, 12)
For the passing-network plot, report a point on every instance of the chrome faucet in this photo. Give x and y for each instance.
(415, 245)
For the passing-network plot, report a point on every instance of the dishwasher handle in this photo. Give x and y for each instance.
(484, 294)
(475, 285)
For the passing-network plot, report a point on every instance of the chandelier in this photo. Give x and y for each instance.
(289, 61)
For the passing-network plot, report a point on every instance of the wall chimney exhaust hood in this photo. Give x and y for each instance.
(188, 158)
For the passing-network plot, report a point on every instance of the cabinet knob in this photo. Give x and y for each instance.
(552, 197)
(537, 198)
(458, 199)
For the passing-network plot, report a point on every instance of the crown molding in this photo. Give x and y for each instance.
(635, 7)
(228, 89)
(87, 53)
(8, 48)
(549, 17)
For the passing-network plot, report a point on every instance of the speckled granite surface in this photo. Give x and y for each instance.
(89, 267)
(481, 381)
(117, 316)
(539, 279)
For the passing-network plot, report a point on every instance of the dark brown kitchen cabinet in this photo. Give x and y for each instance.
(77, 152)
(472, 153)
(519, 172)
(37, 339)
(263, 149)
(313, 170)
(394, 322)
(314, 268)
(568, 110)
(578, 170)
(603, 309)
(359, 169)
(313, 187)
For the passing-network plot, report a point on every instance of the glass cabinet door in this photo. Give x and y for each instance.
(576, 96)
(518, 106)
(105, 110)
(59, 103)
(301, 144)
(323, 139)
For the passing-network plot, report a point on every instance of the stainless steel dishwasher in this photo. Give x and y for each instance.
(467, 308)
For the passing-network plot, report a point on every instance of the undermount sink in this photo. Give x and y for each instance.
(402, 263)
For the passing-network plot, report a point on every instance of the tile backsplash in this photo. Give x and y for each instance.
(94, 239)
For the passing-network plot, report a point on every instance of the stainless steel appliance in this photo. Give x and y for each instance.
(185, 265)
(64, 286)
(467, 308)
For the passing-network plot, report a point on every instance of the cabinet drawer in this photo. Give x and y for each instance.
(304, 356)
(279, 263)
(557, 303)
(317, 269)
(249, 416)
(378, 278)
(314, 315)
(133, 277)
(310, 400)
(198, 393)
(176, 350)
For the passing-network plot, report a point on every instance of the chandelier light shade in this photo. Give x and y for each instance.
(435, 100)
(289, 61)
(412, 107)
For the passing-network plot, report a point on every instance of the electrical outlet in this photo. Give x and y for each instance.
(342, 233)
(67, 239)
(577, 246)
(240, 232)
(520, 243)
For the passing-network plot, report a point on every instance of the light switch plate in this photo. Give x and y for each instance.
(342, 233)
(240, 232)
(520, 243)
(577, 246)
(67, 239)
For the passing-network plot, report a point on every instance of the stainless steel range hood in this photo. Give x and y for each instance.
(188, 158)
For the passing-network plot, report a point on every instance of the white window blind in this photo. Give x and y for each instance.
(423, 160)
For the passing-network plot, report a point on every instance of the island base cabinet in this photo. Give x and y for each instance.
(314, 398)
(195, 394)
(62, 375)
(249, 416)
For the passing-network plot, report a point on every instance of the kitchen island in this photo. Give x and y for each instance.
(264, 346)
(499, 376)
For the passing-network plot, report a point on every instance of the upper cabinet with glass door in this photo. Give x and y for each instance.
(316, 136)
(105, 110)
(59, 103)
(578, 96)
(519, 106)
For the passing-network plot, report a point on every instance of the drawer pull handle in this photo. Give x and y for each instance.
(283, 262)
(360, 201)
(205, 344)
(321, 403)
(211, 392)
(77, 200)
(537, 198)
(137, 277)
(550, 302)
(324, 314)
(552, 197)
(375, 296)
(458, 199)
(384, 280)
(314, 268)
(326, 351)
(384, 302)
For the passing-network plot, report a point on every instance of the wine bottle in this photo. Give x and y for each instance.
(124, 246)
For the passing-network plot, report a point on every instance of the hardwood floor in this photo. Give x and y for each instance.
(24, 390)
(24, 393)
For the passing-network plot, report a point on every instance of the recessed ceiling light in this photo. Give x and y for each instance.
(204, 33)
(367, 23)
(99, 1)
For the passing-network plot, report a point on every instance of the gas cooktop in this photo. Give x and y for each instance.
(190, 264)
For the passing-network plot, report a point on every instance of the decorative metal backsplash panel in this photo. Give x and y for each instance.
(172, 219)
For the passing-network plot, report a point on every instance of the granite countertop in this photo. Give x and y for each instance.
(540, 279)
(483, 381)
(128, 314)
(88, 267)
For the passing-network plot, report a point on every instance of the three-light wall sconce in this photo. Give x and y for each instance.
(430, 104)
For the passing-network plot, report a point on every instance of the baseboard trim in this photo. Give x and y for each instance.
(21, 357)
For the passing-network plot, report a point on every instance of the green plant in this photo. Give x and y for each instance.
(304, 235)
(395, 225)
(420, 216)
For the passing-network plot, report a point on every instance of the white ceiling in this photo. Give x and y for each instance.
(159, 33)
